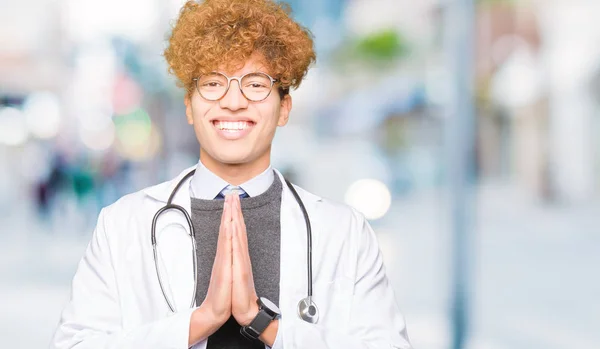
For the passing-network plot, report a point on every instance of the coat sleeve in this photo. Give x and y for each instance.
(92, 316)
(375, 319)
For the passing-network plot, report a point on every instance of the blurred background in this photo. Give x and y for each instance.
(466, 131)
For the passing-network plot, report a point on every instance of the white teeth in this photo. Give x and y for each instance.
(232, 125)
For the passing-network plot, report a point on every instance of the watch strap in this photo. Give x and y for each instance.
(258, 325)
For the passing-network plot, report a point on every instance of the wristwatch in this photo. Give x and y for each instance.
(267, 312)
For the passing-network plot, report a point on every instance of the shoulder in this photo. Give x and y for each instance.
(145, 200)
(129, 209)
(126, 203)
(338, 229)
(331, 211)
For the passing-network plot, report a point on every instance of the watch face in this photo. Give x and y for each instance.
(270, 306)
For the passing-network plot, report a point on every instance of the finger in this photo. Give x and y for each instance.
(237, 238)
(227, 251)
(222, 227)
(235, 217)
(235, 250)
(224, 242)
(241, 214)
(228, 218)
(235, 212)
(236, 207)
(224, 214)
(229, 228)
(231, 208)
(241, 226)
(240, 260)
(241, 237)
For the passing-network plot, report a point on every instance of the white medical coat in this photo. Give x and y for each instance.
(116, 301)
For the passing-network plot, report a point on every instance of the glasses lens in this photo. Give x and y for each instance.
(256, 87)
(212, 86)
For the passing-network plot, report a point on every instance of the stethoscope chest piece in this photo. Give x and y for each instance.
(308, 311)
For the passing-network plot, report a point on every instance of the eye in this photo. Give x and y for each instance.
(211, 84)
(257, 85)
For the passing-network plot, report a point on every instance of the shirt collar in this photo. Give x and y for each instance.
(207, 185)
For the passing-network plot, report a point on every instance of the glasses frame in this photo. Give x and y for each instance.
(239, 80)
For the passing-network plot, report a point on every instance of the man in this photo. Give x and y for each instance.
(237, 60)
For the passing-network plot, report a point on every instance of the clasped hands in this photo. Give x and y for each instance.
(231, 289)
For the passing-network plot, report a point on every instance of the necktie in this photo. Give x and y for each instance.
(231, 188)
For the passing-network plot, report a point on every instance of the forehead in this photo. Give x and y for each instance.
(254, 63)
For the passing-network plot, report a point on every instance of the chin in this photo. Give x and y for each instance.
(236, 155)
(232, 159)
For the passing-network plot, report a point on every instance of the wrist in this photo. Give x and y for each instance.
(208, 313)
(246, 319)
(266, 314)
(202, 325)
(204, 316)
(270, 333)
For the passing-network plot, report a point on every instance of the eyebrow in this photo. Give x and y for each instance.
(250, 72)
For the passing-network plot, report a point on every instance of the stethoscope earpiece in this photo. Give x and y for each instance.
(308, 311)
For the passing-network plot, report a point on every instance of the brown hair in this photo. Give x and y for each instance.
(216, 32)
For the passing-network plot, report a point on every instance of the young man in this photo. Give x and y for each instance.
(247, 276)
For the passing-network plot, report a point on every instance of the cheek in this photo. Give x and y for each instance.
(201, 115)
(269, 115)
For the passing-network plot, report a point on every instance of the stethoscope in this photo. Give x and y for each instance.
(307, 309)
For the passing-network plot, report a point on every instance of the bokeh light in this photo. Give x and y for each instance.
(137, 138)
(13, 129)
(95, 120)
(99, 138)
(369, 196)
(43, 114)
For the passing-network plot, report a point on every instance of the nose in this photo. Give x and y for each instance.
(234, 99)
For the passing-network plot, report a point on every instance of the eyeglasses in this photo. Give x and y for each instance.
(255, 87)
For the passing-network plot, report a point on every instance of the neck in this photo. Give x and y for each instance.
(236, 174)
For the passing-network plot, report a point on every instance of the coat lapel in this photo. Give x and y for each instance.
(293, 261)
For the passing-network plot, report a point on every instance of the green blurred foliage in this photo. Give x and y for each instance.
(377, 50)
(384, 45)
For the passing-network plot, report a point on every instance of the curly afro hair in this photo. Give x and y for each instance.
(213, 33)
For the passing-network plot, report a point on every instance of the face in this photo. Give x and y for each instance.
(234, 130)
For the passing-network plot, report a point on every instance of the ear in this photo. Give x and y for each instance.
(284, 110)
(187, 100)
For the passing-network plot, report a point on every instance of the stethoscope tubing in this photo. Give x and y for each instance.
(308, 236)
(171, 206)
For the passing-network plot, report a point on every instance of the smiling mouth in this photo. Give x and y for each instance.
(233, 130)
(232, 126)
